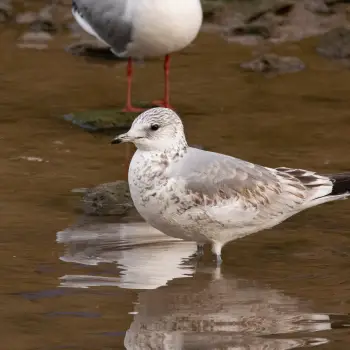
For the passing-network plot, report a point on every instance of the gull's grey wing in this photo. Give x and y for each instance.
(214, 178)
(108, 19)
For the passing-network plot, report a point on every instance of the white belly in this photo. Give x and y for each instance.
(154, 201)
(165, 218)
(164, 26)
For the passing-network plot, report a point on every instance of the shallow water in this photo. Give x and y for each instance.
(68, 283)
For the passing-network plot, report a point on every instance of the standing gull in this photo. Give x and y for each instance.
(141, 28)
(209, 197)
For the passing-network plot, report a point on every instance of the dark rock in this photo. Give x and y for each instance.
(111, 198)
(288, 21)
(261, 25)
(281, 9)
(105, 121)
(274, 64)
(335, 44)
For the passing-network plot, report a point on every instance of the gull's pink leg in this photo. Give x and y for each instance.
(128, 107)
(165, 102)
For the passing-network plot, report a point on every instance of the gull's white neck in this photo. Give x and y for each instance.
(158, 160)
(166, 146)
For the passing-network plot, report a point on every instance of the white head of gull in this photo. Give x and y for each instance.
(209, 197)
(141, 28)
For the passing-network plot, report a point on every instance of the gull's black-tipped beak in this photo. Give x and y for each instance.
(128, 137)
(116, 141)
(120, 138)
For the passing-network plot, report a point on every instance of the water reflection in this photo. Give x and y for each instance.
(222, 313)
(148, 259)
(210, 310)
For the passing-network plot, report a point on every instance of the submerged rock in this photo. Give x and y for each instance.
(112, 198)
(274, 64)
(335, 44)
(109, 120)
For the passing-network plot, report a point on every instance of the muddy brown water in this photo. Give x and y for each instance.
(114, 286)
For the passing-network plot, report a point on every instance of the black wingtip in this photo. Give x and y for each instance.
(341, 183)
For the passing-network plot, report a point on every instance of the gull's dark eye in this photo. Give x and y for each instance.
(154, 127)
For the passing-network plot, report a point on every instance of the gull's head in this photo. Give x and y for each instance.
(157, 129)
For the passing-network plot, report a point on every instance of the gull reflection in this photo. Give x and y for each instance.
(222, 312)
(210, 310)
(147, 257)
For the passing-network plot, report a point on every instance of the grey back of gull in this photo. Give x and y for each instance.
(108, 19)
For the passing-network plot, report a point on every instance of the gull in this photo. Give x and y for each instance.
(141, 28)
(209, 197)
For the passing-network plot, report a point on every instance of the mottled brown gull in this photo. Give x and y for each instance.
(141, 28)
(209, 197)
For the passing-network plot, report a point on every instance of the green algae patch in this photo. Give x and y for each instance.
(101, 120)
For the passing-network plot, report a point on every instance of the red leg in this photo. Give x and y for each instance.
(165, 102)
(128, 107)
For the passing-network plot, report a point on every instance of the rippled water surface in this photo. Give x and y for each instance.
(68, 282)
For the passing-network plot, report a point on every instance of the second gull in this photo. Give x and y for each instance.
(141, 28)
